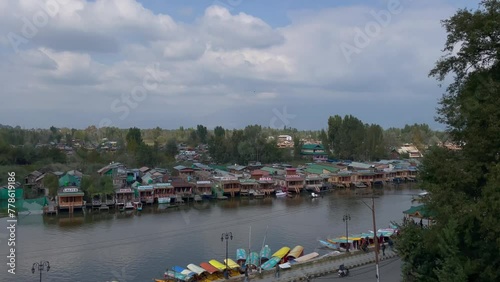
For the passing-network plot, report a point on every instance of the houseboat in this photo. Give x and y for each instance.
(146, 195)
(230, 186)
(204, 189)
(124, 196)
(247, 185)
(70, 198)
(183, 190)
(163, 192)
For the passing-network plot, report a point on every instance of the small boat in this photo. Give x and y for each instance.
(138, 206)
(304, 258)
(232, 264)
(209, 268)
(253, 260)
(196, 269)
(295, 253)
(176, 275)
(329, 245)
(186, 272)
(281, 253)
(271, 263)
(220, 266)
(280, 193)
(241, 256)
(314, 195)
(265, 254)
(164, 200)
(256, 193)
(128, 206)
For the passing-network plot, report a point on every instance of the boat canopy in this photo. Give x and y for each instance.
(334, 246)
(186, 272)
(265, 253)
(305, 258)
(209, 268)
(241, 255)
(281, 253)
(253, 259)
(271, 263)
(220, 266)
(196, 269)
(231, 264)
(296, 252)
(176, 275)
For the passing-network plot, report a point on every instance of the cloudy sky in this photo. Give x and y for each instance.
(171, 63)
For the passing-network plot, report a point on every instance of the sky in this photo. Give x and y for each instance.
(172, 63)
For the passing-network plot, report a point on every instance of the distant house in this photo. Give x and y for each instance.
(30, 179)
(316, 151)
(411, 150)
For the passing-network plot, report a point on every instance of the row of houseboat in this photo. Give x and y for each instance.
(200, 182)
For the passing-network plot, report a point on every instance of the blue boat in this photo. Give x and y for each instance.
(253, 260)
(176, 275)
(241, 256)
(329, 245)
(186, 272)
(271, 263)
(265, 254)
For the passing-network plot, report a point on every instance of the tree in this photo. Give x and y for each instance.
(464, 184)
(171, 148)
(134, 139)
(202, 133)
(51, 182)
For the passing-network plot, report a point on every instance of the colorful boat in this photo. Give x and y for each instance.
(329, 245)
(231, 264)
(209, 268)
(304, 258)
(271, 263)
(183, 271)
(253, 260)
(241, 256)
(176, 275)
(281, 253)
(296, 252)
(220, 266)
(196, 269)
(265, 254)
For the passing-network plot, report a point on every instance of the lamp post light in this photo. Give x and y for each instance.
(226, 236)
(41, 267)
(346, 219)
(375, 236)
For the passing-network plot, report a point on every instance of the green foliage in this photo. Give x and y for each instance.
(52, 182)
(464, 184)
(134, 139)
(171, 148)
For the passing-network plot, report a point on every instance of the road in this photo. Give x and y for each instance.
(390, 271)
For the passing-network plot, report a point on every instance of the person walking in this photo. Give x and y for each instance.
(383, 249)
(277, 274)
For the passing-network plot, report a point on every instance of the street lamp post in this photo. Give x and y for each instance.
(226, 236)
(346, 219)
(375, 237)
(41, 267)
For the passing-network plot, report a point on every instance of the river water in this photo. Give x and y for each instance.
(139, 246)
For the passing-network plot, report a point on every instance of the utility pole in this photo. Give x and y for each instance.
(375, 237)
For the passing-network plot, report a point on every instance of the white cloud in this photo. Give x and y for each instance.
(91, 53)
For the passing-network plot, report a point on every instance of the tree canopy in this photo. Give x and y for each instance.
(464, 243)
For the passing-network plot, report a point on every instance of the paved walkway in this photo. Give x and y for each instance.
(318, 268)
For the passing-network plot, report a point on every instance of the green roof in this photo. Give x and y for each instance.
(269, 169)
(69, 180)
(221, 167)
(419, 211)
(312, 147)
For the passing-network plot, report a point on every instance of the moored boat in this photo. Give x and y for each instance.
(253, 260)
(281, 253)
(271, 263)
(217, 264)
(241, 256)
(296, 252)
(265, 254)
(186, 272)
(128, 205)
(329, 245)
(176, 275)
(196, 269)
(280, 193)
(304, 258)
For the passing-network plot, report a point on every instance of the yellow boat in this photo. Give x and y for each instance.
(220, 266)
(295, 253)
(281, 253)
(231, 264)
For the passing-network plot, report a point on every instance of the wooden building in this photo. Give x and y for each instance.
(70, 198)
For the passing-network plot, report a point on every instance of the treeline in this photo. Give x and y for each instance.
(344, 138)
